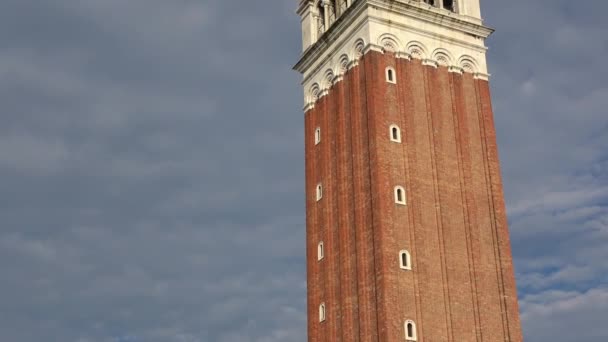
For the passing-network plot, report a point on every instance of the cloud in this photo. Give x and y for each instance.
(30, 154)
(153, 189)
(566, 316)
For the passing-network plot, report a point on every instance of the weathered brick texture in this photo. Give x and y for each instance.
(461, 287)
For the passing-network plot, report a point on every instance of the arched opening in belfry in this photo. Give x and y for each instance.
(321, 18)
(449, 5)
(342, 5)
(430, 2)
(332, 11)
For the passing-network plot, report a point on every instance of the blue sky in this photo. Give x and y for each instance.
(151, 157)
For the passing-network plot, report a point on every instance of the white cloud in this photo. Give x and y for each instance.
(566, 316)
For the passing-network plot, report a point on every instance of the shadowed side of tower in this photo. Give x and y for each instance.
(407, 236)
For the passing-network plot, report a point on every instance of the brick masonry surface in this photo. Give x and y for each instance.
(462, 285)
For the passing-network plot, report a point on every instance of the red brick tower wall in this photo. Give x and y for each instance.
(461, 286)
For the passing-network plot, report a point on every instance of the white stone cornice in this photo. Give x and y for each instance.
(403, 55)
(372, 47)
(481, 76)
(455, 69)
(429, 62)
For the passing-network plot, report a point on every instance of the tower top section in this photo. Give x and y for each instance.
(336, 33)
(320, 15)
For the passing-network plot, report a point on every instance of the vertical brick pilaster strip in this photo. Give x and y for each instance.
(400, 300)
(509, 289)
(369, 65)
(452, 209)
(481, 226)
(458, 108)
(491, 215)
(322, 208)
(467, 106)
(427, 261)
(331, 202)
(379, 187)
(318, 281)
(361, 183)
(411, 301)
(346, 224)
(311, 231)
(434, 117)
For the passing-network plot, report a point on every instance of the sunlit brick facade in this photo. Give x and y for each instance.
(433, 191)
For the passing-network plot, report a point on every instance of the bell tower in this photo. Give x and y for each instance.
(407, 236)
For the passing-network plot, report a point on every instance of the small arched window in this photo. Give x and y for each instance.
(410, 330)
(391, 75)
(320, 251)
(400, 195)
(395, 133)
(322, 312)
(319, 191)
(317, 135)
(405, 260)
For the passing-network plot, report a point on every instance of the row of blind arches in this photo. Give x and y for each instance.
(390, 75)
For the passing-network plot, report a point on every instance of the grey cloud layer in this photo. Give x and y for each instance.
(151, 154)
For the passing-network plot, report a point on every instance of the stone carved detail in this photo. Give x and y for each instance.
(443, 57)
(315, 92)
(443, 60)
(387, 43)
(329, 78)
(467, 67)
(468, 64)
(416, 50)
(388, 46)
(359, 48)
(343, 66)
(455, 69)
(416, 53)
